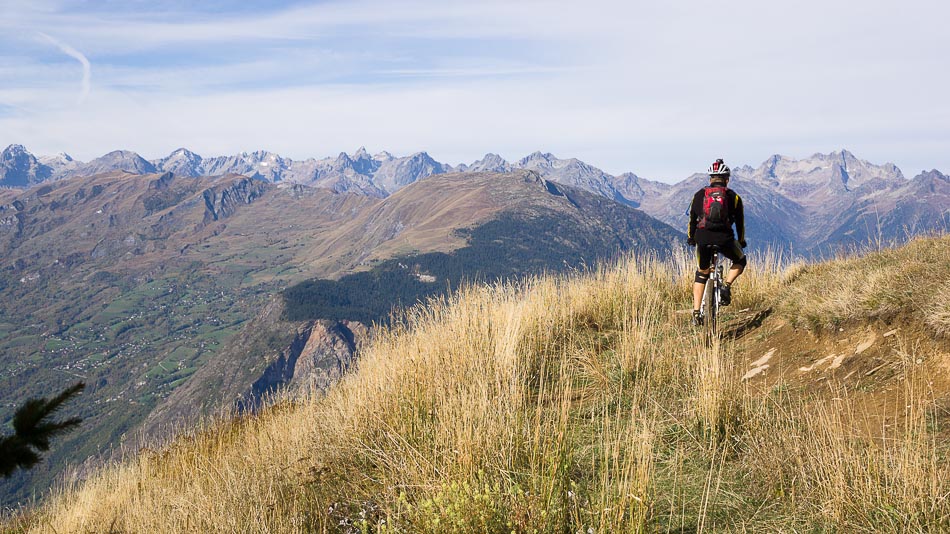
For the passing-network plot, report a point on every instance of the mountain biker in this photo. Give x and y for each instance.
(714, 210)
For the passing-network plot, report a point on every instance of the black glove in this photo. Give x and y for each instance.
(742, 243)
(690, 241)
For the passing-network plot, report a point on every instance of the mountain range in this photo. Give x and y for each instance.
(811, 206)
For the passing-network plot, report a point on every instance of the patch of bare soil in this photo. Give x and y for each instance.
(877, 365)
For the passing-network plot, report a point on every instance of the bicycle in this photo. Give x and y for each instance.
(709, 306)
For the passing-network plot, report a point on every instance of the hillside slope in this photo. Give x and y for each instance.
(134, 283)
(412, 247)
(130, 283)
(586, 403)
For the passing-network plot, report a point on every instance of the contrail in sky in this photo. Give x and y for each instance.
(78, 56)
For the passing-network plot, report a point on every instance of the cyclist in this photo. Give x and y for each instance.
(714, 210)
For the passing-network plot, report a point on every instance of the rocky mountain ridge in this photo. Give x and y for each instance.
(811, 205)
(20, 168)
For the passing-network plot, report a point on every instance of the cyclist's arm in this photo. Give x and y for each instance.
(693, 218)
(740, 219)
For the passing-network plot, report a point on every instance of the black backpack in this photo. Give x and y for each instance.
(716, 210)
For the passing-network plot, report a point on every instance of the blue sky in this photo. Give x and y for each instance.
(655, 88)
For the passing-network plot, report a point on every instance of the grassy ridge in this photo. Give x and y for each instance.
(558, 405)
(908, 281)
(508, 247)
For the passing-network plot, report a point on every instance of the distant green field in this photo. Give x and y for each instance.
(218, 335)
(177, 354)
(174, 384)
(83, 325)
(56, 344)
(20, 342)
(116, 333)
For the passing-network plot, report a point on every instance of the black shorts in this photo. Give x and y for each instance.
(729, 249)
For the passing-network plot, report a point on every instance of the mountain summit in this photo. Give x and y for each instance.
(19, 168)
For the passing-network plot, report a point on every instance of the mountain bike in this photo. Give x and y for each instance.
(709, 307)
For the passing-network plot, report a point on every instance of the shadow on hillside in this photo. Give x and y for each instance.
(742, 325)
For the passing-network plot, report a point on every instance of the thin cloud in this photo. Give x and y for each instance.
(399, 19)
(85, 85)
(474, 72)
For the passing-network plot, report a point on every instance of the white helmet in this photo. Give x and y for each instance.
(718, 168)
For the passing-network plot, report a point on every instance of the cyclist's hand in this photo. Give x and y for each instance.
(743, 243)
(691, 242)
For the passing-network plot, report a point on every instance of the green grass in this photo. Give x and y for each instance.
(179, 353)
(80, 326)
(883, 285)
(23, 342)
(56, 344)
(98, 357)
(5, 329)
(218, 335)
(179, 381)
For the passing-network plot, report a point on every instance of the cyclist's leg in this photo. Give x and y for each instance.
(703, 258)
(734, 252)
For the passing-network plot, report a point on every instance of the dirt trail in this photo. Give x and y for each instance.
(874, 363)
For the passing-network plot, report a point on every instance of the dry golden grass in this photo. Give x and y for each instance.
(563, 404)
(823, 459)
(910, 281)
(937, 315)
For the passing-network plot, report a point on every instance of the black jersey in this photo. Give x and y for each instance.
(736, 217)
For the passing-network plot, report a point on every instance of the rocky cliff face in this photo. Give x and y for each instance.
(182, 162)
(571, 172)
(320, 353)
(11, 222)
(223, 201)
(331, 350)
(268, 357)
(61, 164)
(117, 160)
(259, 164)
(490, 163)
